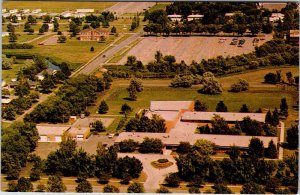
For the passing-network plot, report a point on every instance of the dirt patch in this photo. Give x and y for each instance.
(189, 48)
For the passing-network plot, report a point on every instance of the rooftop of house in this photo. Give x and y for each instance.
(5, 100)
(52, 129)
(167, 115)
(228, 116)
(170, 105)
(175, 139)
(174, 16)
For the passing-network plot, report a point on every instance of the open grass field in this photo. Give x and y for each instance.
(21, 38)
(7, 75)
(189, 48)
(73, 51)
(159, 5)
(56, 6)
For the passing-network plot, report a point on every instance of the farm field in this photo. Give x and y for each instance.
(54, 6)
(189, 48)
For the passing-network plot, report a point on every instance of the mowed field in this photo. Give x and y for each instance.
(189, 48)
(56, 6)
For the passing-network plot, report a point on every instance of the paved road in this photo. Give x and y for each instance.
(91, 66)
(155, 176)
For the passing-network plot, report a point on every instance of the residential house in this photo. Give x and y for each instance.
(175, 17)
(85, 10)
(5, 101)
(195, 17)
(13, 11)
(66, 14)
(4, 11)
(276, 16)
(25, 11)
(51, 70)
(5, 34)
(92, 34)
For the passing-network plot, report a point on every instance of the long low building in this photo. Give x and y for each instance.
(173, 140)
(228, 116)
(171, 105)
(52, 133)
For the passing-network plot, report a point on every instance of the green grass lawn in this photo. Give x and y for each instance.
(73, 51)
(254, 99)
(158, 6)
(21, 38)
(7, 75)
(54, 6)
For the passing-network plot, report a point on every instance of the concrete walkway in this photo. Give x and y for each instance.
(281, 139)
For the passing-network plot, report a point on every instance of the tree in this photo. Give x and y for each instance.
(22, 89)
(98, 126)
(55, 25)
(172, 180)
(269, 118)
(135, 188)
(113, 30)
(7, 62)
(55, 184)
(182, 81)
(40, 188)
(252, 188)
(284, 107)
(256, 148)
(184, 147)
(241, 85)
(126, 109)
(211, 86)
(24, 185)
(103, 107)
(275, 117)
(92, 49)
(110, 189)
(194, 190)
(204, 147)
(47, 84)
(12, 37)
(31, 19)
(61, 39)
(219, 125)
(273, 184)
(41, 31)
(234, 153)
(255, 28)
(151, 145)
(271, 78)
(250, 127)
(45, 27)
(10, 28)
(11, 186)
(84, 187)
(221, 107)
(292, 136)
(271, 151)
(163, 190)
(128, 145)
(221, 189)
(244, 109)
(47, 19)
(128, 167)
(200, 106)
(132, 92)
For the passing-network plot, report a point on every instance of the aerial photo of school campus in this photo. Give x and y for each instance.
(150, 97)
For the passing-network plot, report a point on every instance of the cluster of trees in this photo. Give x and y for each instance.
(17, 46)
(184, 81)
(144, 124)
(69, 161)
(241, 85)
(135, 23)
(12, 33)
(7, 62)
(18, 141)
(72, 99)
(272, 53)
(210, 84)
(135, 87)
(274, 78)
(197, 167)
(149, 145)
(247, 17)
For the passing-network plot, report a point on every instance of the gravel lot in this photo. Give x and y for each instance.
(189, 48)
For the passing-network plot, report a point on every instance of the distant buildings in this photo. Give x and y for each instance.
(92, 34)
(293, 38)
(195, 17)
(85, 10)
(276, 16)
(13, 11)
(175, 17)
(36, 11)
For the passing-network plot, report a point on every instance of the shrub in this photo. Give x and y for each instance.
(162, 160)
(17, 46)
(172, 180)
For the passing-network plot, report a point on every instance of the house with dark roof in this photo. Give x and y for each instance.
(91, 34)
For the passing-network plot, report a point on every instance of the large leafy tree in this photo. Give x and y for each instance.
(55, 184)
(135, 188)
(127, 166)
(252, 188)
(292, 136)
(24, 185)
(256, 148)
(84, 187)
(110, 189)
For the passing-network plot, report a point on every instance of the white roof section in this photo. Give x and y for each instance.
(78, 130)
(228, 116)
(276, 16)
(51, 129)
(196, 16)
(85, 10)
(5, 101)
(229, 14)
(167, 115)
(170, 105)
(174, 16)
(175, 139)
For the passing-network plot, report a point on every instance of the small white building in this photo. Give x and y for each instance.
(79, 15)
(51, 26)
(5, 15)
(66, 14)
(3, 11)
(5, 34)
(36, 11)
(39, 15)
(25, 11)
(13, 11)
(175, 17)
(195, 17)
(85, 10)
(276, 16)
